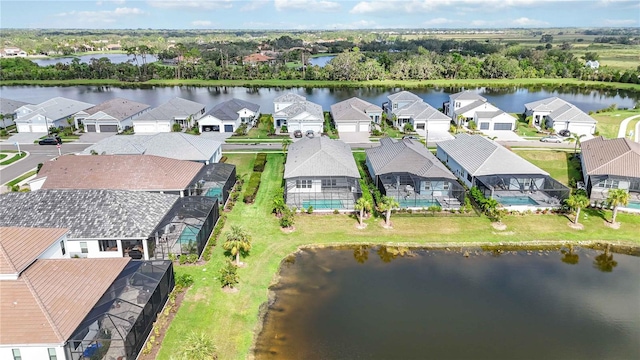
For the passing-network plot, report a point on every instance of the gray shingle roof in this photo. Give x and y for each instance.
(174, 108)
(8, 106)
(620, 157)
(467, 95)
(406, 156)
(88, 214)
(298, 108)
(289, 98)
(570, 113)
(404, 96)
(353, 109)
(320, 156)
(56, 108)
(173, 145)
(229, 109)
(548, 104)
(118, 108)
(481, 156)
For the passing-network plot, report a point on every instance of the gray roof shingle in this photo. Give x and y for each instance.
(467, 95)
(301, 107)
(88, 214)
(289, 98)
(320, 156)
(118, 108)
(570, 113)
(229, 109)
(404, 96)
(55, 109)
(172, 109)
(406, 156)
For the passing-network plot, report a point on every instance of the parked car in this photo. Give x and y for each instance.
(411, 137)
(552, 138)
(297, 134)
(48, 141)
(309, 133)
(565, 133)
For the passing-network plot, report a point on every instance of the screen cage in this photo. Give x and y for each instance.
(215, 181)
(118, 325)
(413, 191)
(535, 190)
(322, 193)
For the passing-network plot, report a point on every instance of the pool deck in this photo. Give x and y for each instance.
(542, 199)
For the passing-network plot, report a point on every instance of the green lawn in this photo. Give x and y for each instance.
(14, 159)
(557, 163)
(2, 156)
(232, 319)
(21, 177)
(609, 122)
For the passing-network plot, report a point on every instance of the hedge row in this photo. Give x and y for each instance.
(261, 160)
(252, 188)
(213, 240)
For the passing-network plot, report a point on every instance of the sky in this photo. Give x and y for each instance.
(317, 14)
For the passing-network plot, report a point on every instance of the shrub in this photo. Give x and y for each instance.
(376, 132)
(229, 275)
(184, 280)
(252, 188)
(182, 259)
(310, 210)
(472, 125)
(192, 258)
(408, 127)
(176, 128)
(288, 217)
(4, 133)
(336, 211)
(284, 129)
(39, 167)
(261, 160)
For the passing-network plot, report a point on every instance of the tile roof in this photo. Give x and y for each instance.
(620, 157)
(118, 108)
(474, 105)
(172, 109)
(353, 109)
(404, 96)
(55, 109)
(8, 106)
(19, 247)
(175, 145)
(229, 109)
(119, 172)
(88, 214)
(289, 98)
(406, 156)
(320, 156)
(467, 95)
(420, 110)
(52, 297)
(481, 156)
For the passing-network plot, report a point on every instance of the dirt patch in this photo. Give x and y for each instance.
(384, 224)
(158, 335)
(230, 290)
(505, 233)
(288, 230)
(360, 227)
(615, 225)
(575, 226)
(499, 226)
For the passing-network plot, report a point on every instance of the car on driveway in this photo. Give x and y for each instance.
(48, 141)
(565, 133)
(410, 137)
(297, 134)
(552, 138)
(309, 133)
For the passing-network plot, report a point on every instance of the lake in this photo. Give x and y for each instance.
(440, 304)
(507, 99)
(115, 58)
(321, 61)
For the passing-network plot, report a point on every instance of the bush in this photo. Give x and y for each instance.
(252, 188)
(283, 129)
(184, 280)
(176, 128)
(261, 160)
(336, 211)
(408, 127)
(229, 275)
(376, 132)
(310, 210)
(182, 259)
(241, 130)
(472, 125)
(288, 218)
(4, 133)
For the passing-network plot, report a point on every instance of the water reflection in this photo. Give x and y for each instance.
(361, 254)
(570, 257)
(604, 262)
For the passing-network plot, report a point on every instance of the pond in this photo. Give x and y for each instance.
(384, 303)
(507, 99)
(114, 58)
(321, 61)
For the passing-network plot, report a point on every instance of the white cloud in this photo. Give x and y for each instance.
(202, 23)
(307, 5)
(438, 21)
(621, 22)
(362, 24)
(254, 5)
(422, 6)
(107, 2)
(191, 4)
(523, 21)
(108, 16)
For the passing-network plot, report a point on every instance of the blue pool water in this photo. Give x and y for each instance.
(421, 203)
(516, 200)
(214, 192)
(633, 205)
(323, 204)
(188, 234)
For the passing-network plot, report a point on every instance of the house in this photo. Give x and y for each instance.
(558, 115)
(321, 173)
(114, 47)
(467, 106)
(55, 307)
(174, 145)
(611, 164)
(113, 115)
(12, 51)
(355, 115)
(257, 59)
(500, 174)
(405, 107)
(592, 64)
(54, 112)
(175, 111)
(8, 109)
(228, 116)
(296, 113)
(411, 174)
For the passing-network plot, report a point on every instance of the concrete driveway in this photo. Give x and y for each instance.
(26, 138)
(94, 137)
(504, 135)
(355, 137)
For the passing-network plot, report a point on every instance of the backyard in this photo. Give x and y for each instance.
(557, 163)
(609, 122)
(232, 319)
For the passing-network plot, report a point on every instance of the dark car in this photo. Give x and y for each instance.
(564, 133)
(410, 137)
(48, 141)
(297, 133)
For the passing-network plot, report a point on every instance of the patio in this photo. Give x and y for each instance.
(328, 195)
(416, 192)
(523, 192)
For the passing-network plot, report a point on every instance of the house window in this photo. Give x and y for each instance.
(469, 177)
(83, 247)
(303, 184)
(457, 104)
(16, 354)
(427, 185)
(420, 126)
(395, 106)
(64, 251)
(108, 245)
(52, 354)
(609, 184)
(446, 186)
(328, 182)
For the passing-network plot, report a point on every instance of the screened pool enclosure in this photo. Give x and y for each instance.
(535, 191)
(323, 193)
(119, 323)
(215, 181)
(412, 191)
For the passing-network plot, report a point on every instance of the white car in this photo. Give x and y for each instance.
(552, 138)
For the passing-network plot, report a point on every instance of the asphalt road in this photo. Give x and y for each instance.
(37, 154)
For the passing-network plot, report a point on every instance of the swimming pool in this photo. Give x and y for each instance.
(214, 192)
(323, 204)
(516, 200)
(420, 203)
(633, 205)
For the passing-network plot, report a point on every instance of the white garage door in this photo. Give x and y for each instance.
(364, 126)
(144, 128)
(23, 128)
(439, 126)
(580, 129)
(347, 128)
(293, 127)
(317, 128)
(38, 128)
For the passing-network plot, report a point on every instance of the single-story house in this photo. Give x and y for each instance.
(56, 307)
(8, 109)
(611, 164)
(175, 111)
(466, 106)
(321, 173)
(592, 64)
(113, 115)
(53, 112)
(355, 115)
(405, 107)
(500, 174)
(407, 171)
(296, 113)
(558, 114)
(257, 59)
(174, 145)
(229, 115)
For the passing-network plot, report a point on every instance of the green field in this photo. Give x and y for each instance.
(609, 122)
(231, 320)
(556, 162)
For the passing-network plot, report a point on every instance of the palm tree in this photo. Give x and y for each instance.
(616, 198)
(285, 144)
(238, 240)
(198, 346)
(575, 138)
(362, 205)
(229, 275)
(386, 205)
(604, 262)
(577, 202)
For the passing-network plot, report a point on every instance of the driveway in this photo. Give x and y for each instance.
(94, 137)
(503, 135)
(355, 137)
(26, 138)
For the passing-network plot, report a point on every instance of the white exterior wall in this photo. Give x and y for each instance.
(93, 247)
(578, 128)
(455, 168)
(35, 352)
(141, 127)
(55, 250)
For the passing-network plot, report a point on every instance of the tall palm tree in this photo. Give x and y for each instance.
(616, 198)
(386, 205)
(362, 205)
(238, 240)
(575, 138)
(285, 144)
(577, 202)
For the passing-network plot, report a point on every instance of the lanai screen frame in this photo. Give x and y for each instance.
(328, 192)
